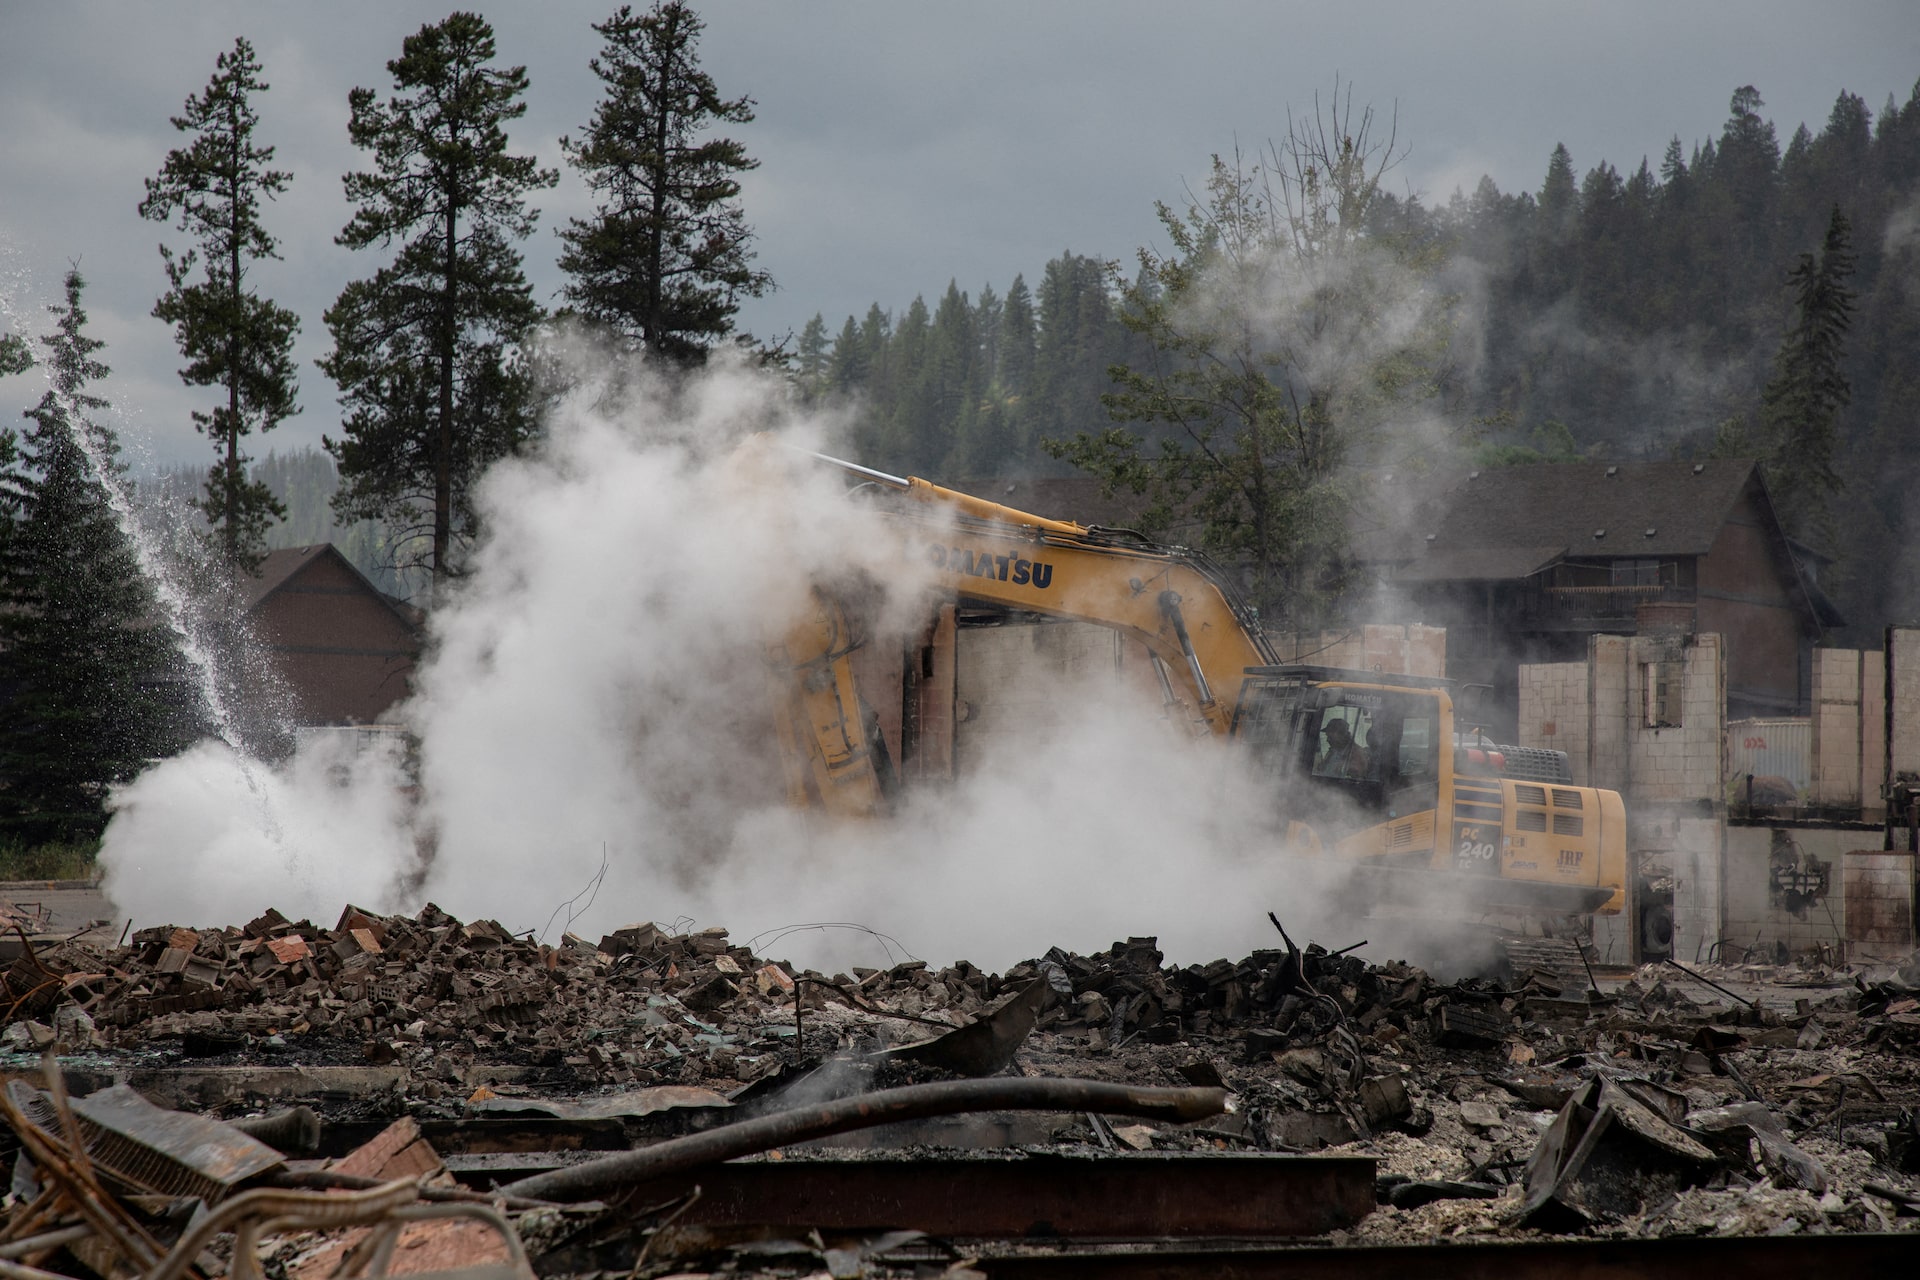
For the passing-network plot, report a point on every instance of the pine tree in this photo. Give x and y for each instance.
(1801, 405)
(666, 259)
(230, 336)
(1556, 224)
(15, 355)
(986, 332)
(1017, 338)
(811, 370)
(1077, 340)
(427, 352)
(953, 380)
(81, 647)
(848, 363)
(914, 391)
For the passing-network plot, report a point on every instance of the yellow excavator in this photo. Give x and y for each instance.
(1373, 767)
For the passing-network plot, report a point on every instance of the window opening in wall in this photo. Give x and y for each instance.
(1641, 573)
(1662, 683)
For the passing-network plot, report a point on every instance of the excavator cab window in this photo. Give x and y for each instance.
(1374, 746)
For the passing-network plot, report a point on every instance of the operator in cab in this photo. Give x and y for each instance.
(1343, 758)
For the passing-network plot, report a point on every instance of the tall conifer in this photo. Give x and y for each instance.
(232, 337)
(1802, 402)
(666, 257)
(427, 353)
(81, 643)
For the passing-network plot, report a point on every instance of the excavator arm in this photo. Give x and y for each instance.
(1175, 602)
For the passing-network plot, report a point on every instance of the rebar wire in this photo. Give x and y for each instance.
(886, 940)
(1710, 982)
(687, 1202)
(591, 891)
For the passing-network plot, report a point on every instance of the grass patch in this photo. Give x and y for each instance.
(74, 861)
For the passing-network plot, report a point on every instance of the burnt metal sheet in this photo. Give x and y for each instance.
(1035, 1196)
(168, 1152)
(1675, 1258)
(631, 1103)
(983, 1046)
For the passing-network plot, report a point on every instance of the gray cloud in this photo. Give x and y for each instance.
(900, 145)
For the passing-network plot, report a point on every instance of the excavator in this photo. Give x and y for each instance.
(1377, 773)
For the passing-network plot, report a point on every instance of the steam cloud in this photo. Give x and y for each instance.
(597, 692)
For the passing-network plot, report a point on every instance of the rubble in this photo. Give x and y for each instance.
(1710, 1100)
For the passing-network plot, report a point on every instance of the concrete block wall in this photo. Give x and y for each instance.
(1879, 903)
(1388, 648)
(1756, 915)
(1873, 733)
(1903, 745)
(1670, 776)
(1612, 699)
(1668, 763)
(1836, 727)
(1556, 711)
(1016, 685)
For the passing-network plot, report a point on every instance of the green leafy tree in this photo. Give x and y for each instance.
(428, 353)
(230, 336)
(666, 258)
(1283, 341)
(78, 640)
(1801, 405)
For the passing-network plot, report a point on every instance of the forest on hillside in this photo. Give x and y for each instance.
(1634, 311)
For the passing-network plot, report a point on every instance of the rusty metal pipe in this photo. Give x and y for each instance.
(915, 1102)
(20, 1271)
(15, 1249)
(317, 1210)
(332, 1180)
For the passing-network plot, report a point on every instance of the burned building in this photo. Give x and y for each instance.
(1528, 563)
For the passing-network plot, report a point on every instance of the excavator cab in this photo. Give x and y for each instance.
(1367, 749)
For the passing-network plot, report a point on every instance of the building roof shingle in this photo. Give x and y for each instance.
(1583, 509)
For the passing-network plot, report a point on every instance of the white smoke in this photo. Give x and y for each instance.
(211, 838)
(1903, 229)
(597, 691)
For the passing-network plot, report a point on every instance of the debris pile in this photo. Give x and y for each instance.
(1667, 1101)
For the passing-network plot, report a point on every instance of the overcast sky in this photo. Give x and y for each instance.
(900, 145)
